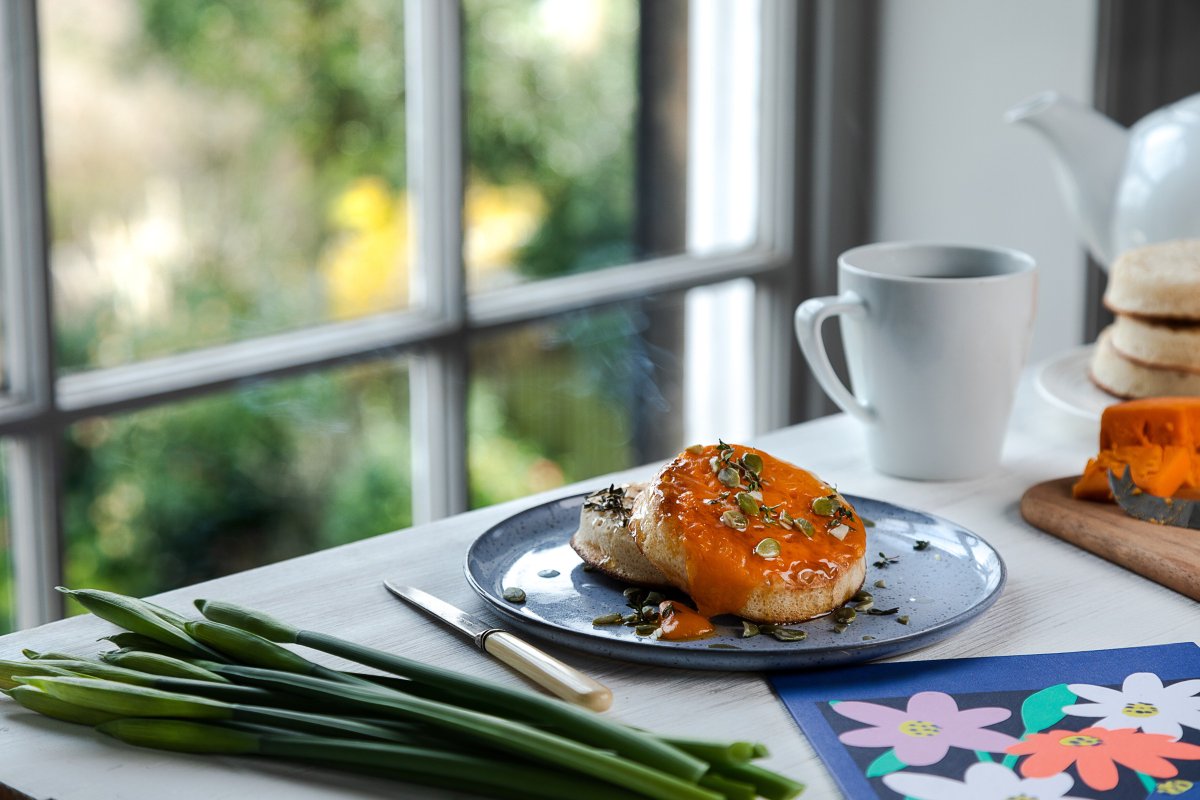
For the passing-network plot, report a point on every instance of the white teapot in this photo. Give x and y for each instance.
(1125, 187)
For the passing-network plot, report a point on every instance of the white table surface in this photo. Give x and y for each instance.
(1058, 598)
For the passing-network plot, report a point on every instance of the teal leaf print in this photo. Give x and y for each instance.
(1045, 708)
(885, 765)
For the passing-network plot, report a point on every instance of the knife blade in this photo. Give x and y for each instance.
(543, 669)
(1142, 505)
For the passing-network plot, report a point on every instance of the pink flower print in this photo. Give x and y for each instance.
(923, 733)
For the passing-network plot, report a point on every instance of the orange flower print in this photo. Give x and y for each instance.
(1095, 752)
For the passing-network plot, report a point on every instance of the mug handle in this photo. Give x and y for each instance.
(809, 316)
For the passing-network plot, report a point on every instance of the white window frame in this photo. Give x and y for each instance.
(38, 405)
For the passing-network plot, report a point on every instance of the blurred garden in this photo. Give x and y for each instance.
(223, 170)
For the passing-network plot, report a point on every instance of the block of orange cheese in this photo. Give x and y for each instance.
(1157, 438)
(1152, 420)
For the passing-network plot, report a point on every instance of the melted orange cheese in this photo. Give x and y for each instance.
(722, 565)
(682, 624)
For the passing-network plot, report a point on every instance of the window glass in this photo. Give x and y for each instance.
(7, 612)
(220, 170)
(561, 400)
(177, 494)
(551, 139)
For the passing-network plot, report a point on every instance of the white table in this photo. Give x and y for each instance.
(1058, 598)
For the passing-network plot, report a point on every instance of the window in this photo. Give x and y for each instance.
(277, 276)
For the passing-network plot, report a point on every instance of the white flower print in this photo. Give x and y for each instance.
(982, 781)
(1143, 702)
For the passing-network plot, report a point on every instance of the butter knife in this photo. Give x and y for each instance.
(545, 670)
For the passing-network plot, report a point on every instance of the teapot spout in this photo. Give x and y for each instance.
(1089, 157)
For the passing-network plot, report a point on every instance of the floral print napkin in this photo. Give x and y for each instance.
(1062, 726)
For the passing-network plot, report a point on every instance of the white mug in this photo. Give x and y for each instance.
(935, 338)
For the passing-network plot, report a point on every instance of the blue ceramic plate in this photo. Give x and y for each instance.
(940, 589)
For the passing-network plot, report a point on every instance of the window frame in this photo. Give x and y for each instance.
(39, 405)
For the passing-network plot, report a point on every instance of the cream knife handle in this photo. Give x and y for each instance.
(567, 682)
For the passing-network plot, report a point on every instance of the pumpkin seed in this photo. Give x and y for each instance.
(767, 548)
(824, 506)
(845, 615)
(747, 504)
(734, 519)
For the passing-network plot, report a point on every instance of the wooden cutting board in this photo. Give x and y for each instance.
(1162, 553)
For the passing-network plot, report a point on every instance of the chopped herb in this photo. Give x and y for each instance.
(921, 545)
(883, 612)
(514, 594)
(885, 560)
(610, 499)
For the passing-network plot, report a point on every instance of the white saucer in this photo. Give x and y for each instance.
(1063, 382)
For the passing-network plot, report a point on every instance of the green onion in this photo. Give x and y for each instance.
(14, 669)
(128, 640)
(419, 765)
(46, 704)
(158, 664)
(128, 700)
(582, 725)
(257, 651)
(770, 785)
(96, 669)
(496, 732)
(171, 685)
(140, 617)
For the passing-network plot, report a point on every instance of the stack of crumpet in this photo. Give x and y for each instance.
(1153, 347)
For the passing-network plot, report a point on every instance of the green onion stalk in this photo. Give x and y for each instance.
(226, 685)
(416, 764)
(582, 725)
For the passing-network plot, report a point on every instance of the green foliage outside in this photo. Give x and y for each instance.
(186, 491)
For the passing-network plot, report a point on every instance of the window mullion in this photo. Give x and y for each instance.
(433, 52)
(773, 299)
(32, 461)
(32, 456)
